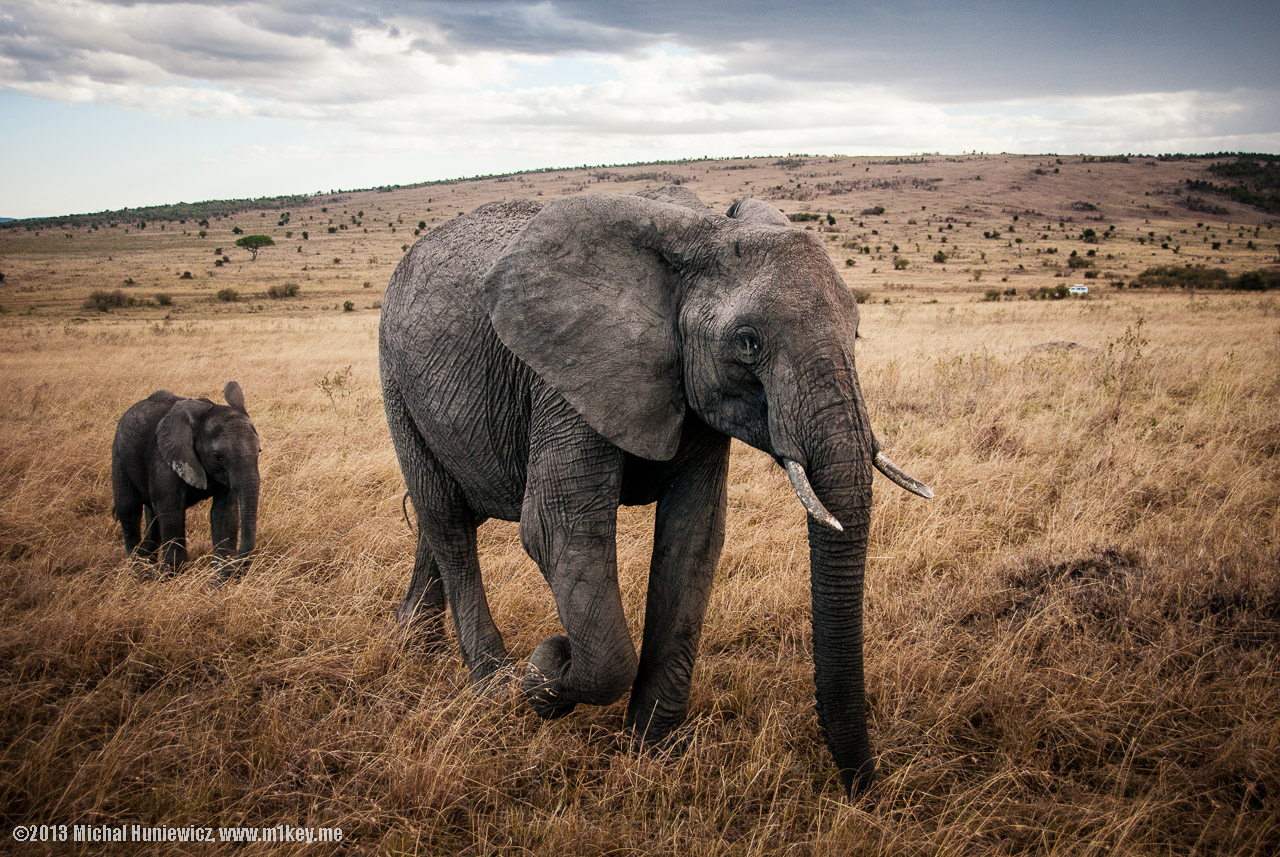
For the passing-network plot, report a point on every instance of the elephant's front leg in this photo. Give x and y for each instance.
(172, 523)
(688, 536)
(568, 525)
(224, 521)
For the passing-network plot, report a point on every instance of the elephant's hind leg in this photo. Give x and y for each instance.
(127, 509)
(149, 547)
(130, 517)
(420, 614)
(568, 524)
(446, 565)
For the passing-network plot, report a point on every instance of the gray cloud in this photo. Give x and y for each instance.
(383, 90)
(996, 49)
(991, 49)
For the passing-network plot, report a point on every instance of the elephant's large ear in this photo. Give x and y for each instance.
(676, 195)
(755, 211)
(175, 435)
(586, 295)
(234, 396)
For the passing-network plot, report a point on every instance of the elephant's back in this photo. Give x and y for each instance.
(134, 445)
(435, 301)
(446, 266)
(465, 391)
(138, 423)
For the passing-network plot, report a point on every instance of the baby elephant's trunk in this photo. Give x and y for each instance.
(247, 496)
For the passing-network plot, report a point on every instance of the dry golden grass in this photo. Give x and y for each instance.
(1074, 649)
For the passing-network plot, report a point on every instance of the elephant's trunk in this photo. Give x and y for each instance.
(832, 435)
(837, 561)
(247, 496)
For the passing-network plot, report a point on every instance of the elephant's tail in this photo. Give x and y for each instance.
(404, 509)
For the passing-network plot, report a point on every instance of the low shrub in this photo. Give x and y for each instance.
(1049, 293)
(228, 295)
(1202, 277)
(104, 301)
(286, 290)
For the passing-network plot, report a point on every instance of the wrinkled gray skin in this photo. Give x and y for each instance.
(548, 363)
(170, 453)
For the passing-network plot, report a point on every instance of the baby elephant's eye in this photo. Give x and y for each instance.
(217, 456)
(748, 345)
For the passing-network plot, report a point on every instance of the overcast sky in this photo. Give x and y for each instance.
(109, 104)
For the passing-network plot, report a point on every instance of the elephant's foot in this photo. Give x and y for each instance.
(671, 744)
(497, 684)
(140, 565)
(548, 666)
(154, 571)
(144, 553)
(421, 629)
(654, 727)
(227, 568)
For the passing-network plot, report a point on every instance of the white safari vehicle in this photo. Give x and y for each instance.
(1079, 289)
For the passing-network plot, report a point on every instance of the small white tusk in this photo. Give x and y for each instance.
(895, 474)
(800, 484)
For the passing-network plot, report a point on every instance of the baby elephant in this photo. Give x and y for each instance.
(170, 453)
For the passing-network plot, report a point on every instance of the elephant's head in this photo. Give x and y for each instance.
(640, 308)
(206, 443)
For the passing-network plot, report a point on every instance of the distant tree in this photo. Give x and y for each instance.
(254, 243)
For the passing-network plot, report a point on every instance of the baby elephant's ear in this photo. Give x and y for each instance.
(175, 436)
(234, 396)
(587, 295)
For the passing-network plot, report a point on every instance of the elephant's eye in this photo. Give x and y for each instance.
(748, 345)
(217, 456)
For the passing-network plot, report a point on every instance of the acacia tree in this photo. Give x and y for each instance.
(254, 243)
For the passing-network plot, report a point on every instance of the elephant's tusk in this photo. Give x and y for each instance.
(895, 474)
(800, 484)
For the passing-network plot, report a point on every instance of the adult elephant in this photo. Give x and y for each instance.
(170, 453)
(548, 363)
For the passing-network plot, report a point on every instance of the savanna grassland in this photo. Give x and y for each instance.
(1073, 649)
